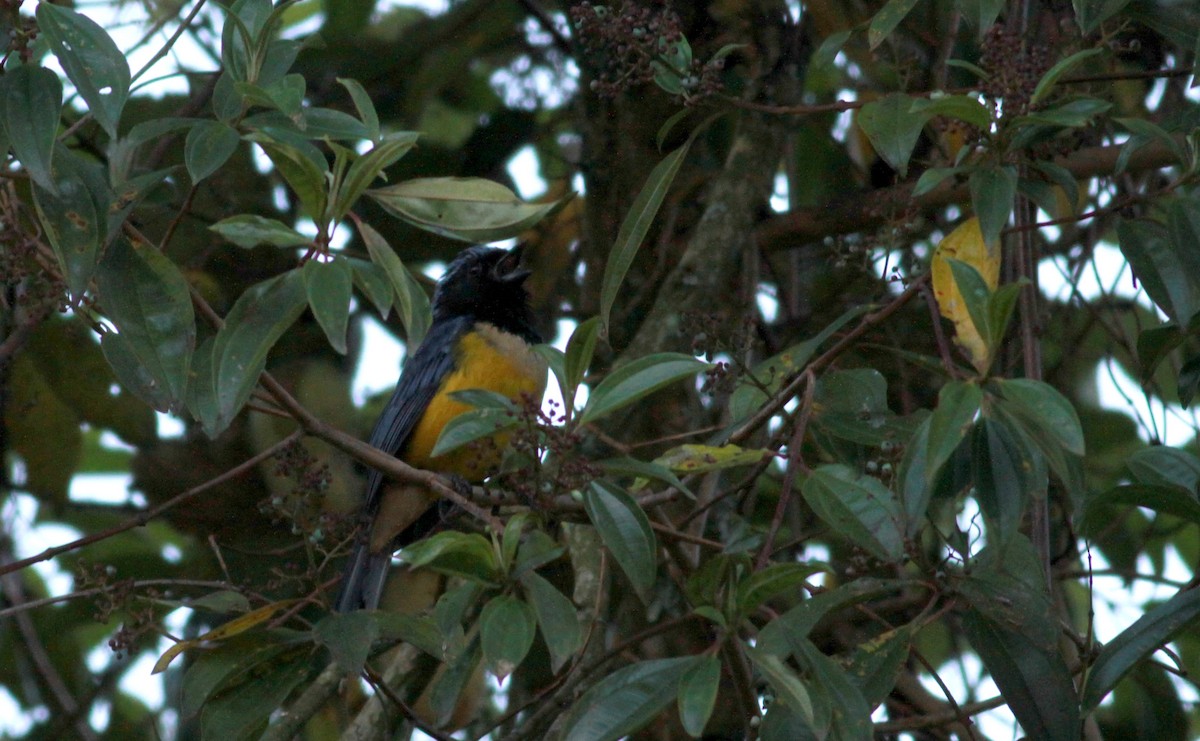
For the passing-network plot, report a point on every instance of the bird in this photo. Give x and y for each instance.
(482, 336)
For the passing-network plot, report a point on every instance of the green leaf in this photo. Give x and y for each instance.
(1089, 14)
(875, 665)
(224, 665)
(32, 102)
(643, 470)
(1144, 132)
(980, 13)
(858, 507)
(1183, 228)
(1160, 268)
(625, 531)
(373, 283)
(774, 580)
(933, 177)
(638, 379)
(418, 631)
(468, 555)
(799, 621)
(1044, 408)
(241, 711)
(1165, 466)
(90, 58)
(827, 52)
(1036, 684)
(1055, 73)
(470, 209)
(886, 20)
(349, 637)
(960, 107)
(472, 425)
(578, 357)
(891, 126)
(450, 686)
(1000, 306)
(1154, 345)
(146, 297)
(698, 694)
(627, 699)
(363, 104)
(1071, 114)
(249, 230)
(1137, 642)
(789, 688)
(305, 177)
(958, 404)
(773, 372)
(209, 145)
(976, 295)
(507, 627)
(411, 302)
(328, 286)
(636, 224)
(72, 213)
(1164, 499)
(992, 192)
(557, 617)
(42, 429)
(369, 166)
(1006, 474)
(257, 320)
(850, 713)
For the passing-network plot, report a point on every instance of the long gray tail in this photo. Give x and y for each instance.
(362, 581)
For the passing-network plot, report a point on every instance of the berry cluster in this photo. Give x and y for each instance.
(629, 45)
(1014, 66)
(302, 506)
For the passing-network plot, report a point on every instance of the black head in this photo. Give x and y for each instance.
(488, 284)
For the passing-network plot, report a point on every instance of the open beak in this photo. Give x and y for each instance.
(508, 269)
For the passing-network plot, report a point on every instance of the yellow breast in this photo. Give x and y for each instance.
(485, 358)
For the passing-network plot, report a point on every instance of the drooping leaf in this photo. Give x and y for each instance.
(92, 61)
(411, 302)
(580, 348)
(777, 580)
(886, 20)
(959, 298)
(209, 145)
(259, 317)
(72, 213)
(789, 688)
(960, 107)
(470, 209)
(1137, 642)
(241, 711)
(373, 283)
(468, 555)
(635, 226)
(507, 627)
(1160, 269)
(363, 104)
(473, 425)
(348, 637)
(328, 286)
(147, 298)
(992, 192)
(1055, 73)
(32, 102)
(637, 379)
(250, 230)
(799, 621)
(627, 699)
(1046, 410)
(958, 405)
(891, 126)
(557, 618)
(698, 694)
(1034, 681)
(858, 507)
(371, 165)
(625, 531)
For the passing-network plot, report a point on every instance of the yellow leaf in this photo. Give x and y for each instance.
(228, 630)
(966, 244)
(704, 458)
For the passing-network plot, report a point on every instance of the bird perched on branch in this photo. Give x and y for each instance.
(482, 337)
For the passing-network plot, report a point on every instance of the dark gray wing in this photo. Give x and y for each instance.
(423, 374)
